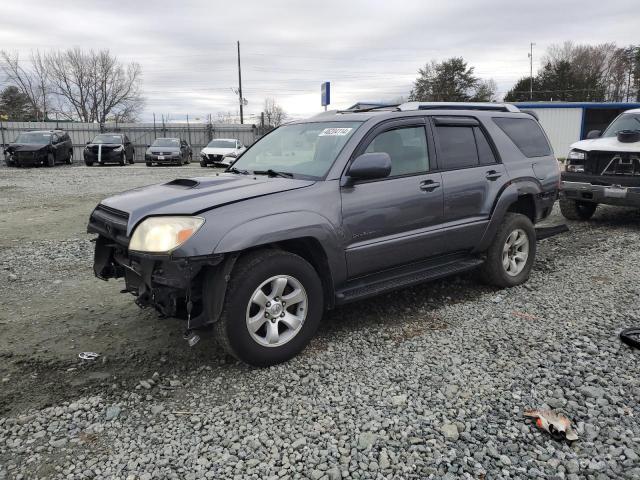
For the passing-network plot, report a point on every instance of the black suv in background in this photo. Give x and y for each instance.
(168, 151)
(109, 148)
(329, 210)
(41, 147)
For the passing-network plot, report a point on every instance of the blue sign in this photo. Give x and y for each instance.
(325, 94)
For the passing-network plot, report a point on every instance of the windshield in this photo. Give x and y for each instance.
(107, 138)
(305, 149)
(34, 138)
(626, 121)
(166, 142)
(222, 144)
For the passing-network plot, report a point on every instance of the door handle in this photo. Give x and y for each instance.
(493, 175)
(429, 185)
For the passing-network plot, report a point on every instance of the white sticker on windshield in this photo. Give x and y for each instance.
(334, 132)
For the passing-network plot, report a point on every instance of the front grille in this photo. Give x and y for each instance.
(161, 153)
(110, 223)
(215, 158)
(25, 155)
(612, 163)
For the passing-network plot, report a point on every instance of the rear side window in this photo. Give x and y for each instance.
(526, 134)
(457, 147)
(485, 153)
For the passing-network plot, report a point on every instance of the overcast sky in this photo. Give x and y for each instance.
(369, 50)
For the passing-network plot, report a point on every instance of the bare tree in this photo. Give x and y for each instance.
(94, 86)
(274, 114)
(32, 80)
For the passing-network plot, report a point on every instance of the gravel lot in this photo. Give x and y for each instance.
(429, 382)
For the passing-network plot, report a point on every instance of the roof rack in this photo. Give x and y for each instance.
(369, 106)
(488, 106)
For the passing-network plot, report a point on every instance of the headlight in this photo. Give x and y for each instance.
(203, 155)
(118, 149)
(232, 154)
(576, 155)
(163, 234)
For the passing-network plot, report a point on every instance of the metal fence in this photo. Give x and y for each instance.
(140, 134)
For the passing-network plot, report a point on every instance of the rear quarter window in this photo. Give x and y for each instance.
(526, 134)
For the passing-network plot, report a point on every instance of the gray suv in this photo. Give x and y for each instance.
(332, 209)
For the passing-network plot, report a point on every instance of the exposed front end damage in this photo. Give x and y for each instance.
(172, 286)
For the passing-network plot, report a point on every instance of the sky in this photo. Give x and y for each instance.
(368, 50)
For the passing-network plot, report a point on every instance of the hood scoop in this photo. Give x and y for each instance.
(183, 182)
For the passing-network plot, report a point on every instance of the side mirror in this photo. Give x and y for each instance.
(88, 143)
(370, 166)
(593, 134)
(148, 146)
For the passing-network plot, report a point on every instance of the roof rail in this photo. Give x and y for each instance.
(489, 106)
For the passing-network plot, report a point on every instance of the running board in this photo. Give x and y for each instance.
(401, 278)
(546, 232)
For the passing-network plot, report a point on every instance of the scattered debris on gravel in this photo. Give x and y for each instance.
(428, 382)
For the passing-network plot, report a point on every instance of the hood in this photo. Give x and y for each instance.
(25, 147)
(217, 151)
(607, 144)
(190, 196)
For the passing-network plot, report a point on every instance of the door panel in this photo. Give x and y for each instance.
(386, 222)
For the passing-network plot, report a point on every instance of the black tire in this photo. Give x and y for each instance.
(132, 160)
(123, 159)
(248, 274)
(70, 157)
(51, 160)
(149, 164)
(576, 210)
(88, 163)
(189, 158)
(203, 164)
(493, 270)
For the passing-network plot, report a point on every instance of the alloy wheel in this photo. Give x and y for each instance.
(515, 252)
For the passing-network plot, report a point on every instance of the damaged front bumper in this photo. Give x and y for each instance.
(607, 194)
(173, 286)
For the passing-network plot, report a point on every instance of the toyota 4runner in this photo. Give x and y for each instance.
(325, 211)
(603, 169)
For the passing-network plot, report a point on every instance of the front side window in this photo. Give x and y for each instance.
(34, 138)
(107, 138)
(626, 121)
(457, 147)
(306, 150)
(407, 148)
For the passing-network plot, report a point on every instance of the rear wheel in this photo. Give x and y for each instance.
(189, 158)
(123, 159)
(576, 210)
(272, 308)
(132, 160)
(70, 157)
(512, 253)
(51, 160)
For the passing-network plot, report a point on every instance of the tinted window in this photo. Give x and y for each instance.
(407, 148)
(485, 153)
(108, 138)
(457, 147)
(526, 134)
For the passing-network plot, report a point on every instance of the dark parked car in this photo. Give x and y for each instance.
(168, 151)
(109, 148)
(604, 168)
(43, 147)
(325, 211)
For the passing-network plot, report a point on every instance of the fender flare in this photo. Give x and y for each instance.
(507, 197)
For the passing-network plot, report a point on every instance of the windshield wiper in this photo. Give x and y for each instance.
(235, 170)
(273, 173)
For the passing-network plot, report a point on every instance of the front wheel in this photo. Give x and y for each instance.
(576, 210)
(203, 164)
(512, 253)
(272, 308)
(148, 164)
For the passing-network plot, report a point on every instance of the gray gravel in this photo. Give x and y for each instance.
(429, 382)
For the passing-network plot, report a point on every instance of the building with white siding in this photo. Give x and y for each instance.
(568, 122)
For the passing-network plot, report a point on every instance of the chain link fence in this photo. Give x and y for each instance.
(141, 134)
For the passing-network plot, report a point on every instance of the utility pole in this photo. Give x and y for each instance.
(531, 70)
(240, 86)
